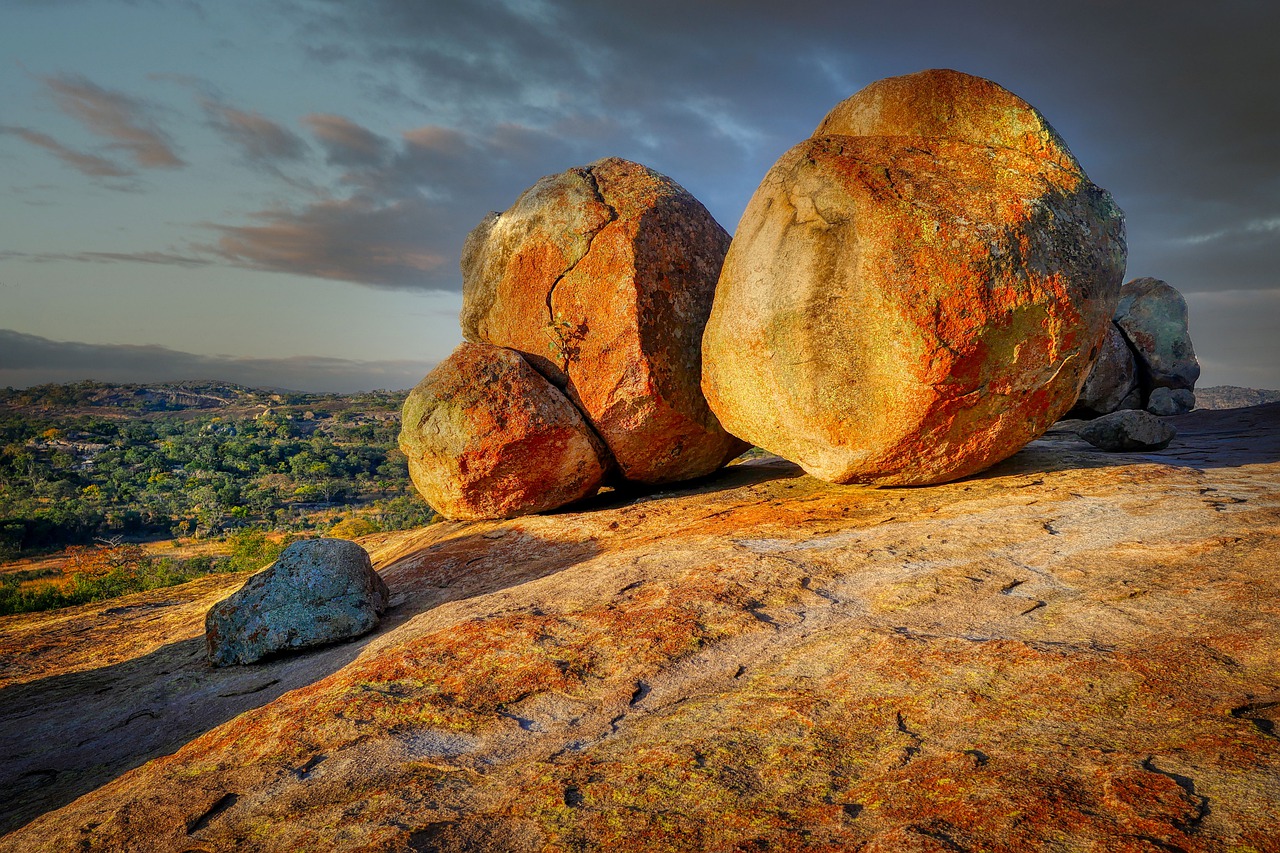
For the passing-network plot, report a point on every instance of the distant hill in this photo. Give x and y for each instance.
(1233, 397)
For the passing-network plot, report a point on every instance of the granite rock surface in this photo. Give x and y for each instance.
(1075, 650)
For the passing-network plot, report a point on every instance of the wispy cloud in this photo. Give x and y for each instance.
(169, 258)
(346, 143)
(87, 164)
(27, 360)
(125, 120)
(263, 142)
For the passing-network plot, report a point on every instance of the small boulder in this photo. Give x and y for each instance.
(1171, 401)
(912, 305)
(1153, 316)
(319, 591)
(1113, 383)
(487, 436)
(1129, 430)
(602, 277)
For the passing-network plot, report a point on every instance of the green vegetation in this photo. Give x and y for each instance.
(92, 463)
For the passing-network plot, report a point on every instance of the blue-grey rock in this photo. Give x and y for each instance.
(1128, 430)
(319, 591)
(1171, 401)
(1113, 383)
(1153, 317)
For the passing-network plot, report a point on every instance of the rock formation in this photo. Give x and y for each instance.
(487, 436)
(916, 291)
(1153, 317)
(319, 591)
(1076, 650)
(1127, 431)
(1157, 368)
(603, 277)
(1113, 383)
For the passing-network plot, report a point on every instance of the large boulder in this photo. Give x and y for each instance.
(487, 436)
(603, 277)
(319, 591)
(912, 305)
(1153, 316)
(1113, 383)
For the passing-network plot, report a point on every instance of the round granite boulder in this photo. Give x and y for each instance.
(1153, 316)
(487, 436)
(603, 277)
(907, 309)
(319, 591)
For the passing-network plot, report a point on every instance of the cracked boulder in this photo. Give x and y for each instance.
(916, 292)
(1113, 382)
(1153, 316)
(319, 591)
(487, 436)
(603, 277)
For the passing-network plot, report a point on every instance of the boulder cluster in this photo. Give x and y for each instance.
(1147, 360)
(583, 310)
(913, 293)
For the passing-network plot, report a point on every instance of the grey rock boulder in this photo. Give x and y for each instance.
(1113, 383)
(1128, 430)
(1153, 317)
(319, 591)
(1171, 401)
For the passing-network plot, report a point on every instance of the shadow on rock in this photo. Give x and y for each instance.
(65, 735)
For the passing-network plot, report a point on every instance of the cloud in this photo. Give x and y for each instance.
(169, 258)
(27, 360)
(263, 142)
(115, 116)
(86, 164)
(351, 240)
(346, 143)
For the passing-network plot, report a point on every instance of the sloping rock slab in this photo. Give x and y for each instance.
(1075, 650)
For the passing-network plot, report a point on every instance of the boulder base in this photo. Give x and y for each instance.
(487, 436)
(1113, 383)
(319, 591)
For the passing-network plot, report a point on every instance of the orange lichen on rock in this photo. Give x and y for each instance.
(486, 436)
(603, 277)
(912, 304)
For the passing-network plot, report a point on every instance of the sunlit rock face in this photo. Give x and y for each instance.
(916, 291)
(603, 276)
(487, 436)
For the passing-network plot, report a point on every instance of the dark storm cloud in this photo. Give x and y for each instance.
(86, 164)
(116, 116)
(29, 359)
(263, 143)
(1175, 107)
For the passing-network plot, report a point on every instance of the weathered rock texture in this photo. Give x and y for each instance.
(1113, 383)
(912, 305)
(1153, 317)
(487, 436)
(319, 591)
(1171, 401)
(1128, 430)
(603, 277)
(1075, 651)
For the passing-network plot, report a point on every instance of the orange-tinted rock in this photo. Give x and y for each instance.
(603, 277)
(906, 310)
(1075, 652)
(951, 105)
(487, 436)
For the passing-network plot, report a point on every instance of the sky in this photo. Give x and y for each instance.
(276, 192)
